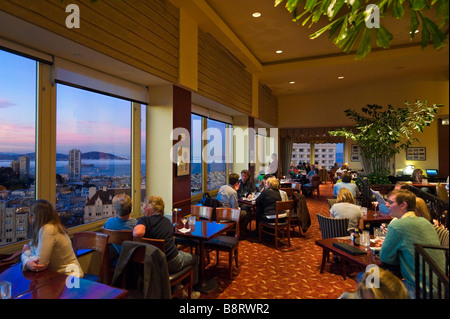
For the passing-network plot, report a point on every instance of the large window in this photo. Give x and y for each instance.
(17, 144)
(93, 154)
(216, 154)
(196, 154)
(210, 154)
(325, 155)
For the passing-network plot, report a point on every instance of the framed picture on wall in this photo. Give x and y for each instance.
(355, 149)
(354, 158)
(416, 154)
(183, 161)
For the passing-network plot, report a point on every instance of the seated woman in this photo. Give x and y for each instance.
(266, 202)
(345, 208)
(154, 225)
(50, 246)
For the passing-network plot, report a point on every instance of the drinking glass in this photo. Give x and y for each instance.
(184, 221)
(5, 290)
(175, 213)
(365, 238)
(375, 212)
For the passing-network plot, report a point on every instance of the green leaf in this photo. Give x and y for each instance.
(332, 11)
(364, 47)
(309, 5)
(418, 4)
(397, 10)
(278, 2)
(383, 37)
(414, 23)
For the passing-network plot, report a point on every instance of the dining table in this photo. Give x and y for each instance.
(368, 255)
(378, 218)
(49, 284)
(202, 231)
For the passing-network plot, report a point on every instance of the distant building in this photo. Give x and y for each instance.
(74, 165)
(324, 154)
(24, 165)
(13, 223)
(15, 165)
(99, 205)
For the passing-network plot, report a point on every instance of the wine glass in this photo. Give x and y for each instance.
(184, 221)
(375, 212)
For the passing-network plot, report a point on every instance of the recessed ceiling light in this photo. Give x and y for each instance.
(292, 82)
(340, 77)
(417, 31)
(256, 14)
(279, 51)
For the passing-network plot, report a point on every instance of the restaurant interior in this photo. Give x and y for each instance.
(210, 88)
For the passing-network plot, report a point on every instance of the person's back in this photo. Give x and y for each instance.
(160, 227)
(398, 246)
(347, 210)
(227, 194)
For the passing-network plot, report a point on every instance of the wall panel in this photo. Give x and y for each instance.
(143, 34)
(221, 77)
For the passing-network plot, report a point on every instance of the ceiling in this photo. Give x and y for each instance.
(315, 65)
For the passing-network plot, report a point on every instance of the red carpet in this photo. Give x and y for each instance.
(286, 273)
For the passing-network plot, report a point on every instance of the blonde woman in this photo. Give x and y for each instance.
(50, 246)
(266, 202)
(422, 209)
(345, 208)
(387, 286)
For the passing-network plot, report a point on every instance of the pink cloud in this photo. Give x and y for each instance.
(4, 104)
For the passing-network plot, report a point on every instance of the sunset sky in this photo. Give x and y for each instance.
(85, 120)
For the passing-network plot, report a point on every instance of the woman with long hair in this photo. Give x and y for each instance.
(50, 246)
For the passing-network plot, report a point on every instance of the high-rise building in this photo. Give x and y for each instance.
(324, 154)
(74, 165)
(24, 165)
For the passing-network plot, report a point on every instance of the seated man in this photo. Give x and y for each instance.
(122, 207)
(403, 232)
(154, 225)
(246, 186)
(346, 183)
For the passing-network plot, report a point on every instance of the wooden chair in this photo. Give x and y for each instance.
(331, 201)
(289, 192)
(442, 192)
(97, 242)
(201, 212)
(277, 227)
(226, 243)
(297, 187)
(186, 275)
(116, 237)
(313, 185)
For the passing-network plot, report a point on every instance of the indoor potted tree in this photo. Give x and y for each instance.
(382, 133)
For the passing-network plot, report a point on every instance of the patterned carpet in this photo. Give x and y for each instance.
(286, 273)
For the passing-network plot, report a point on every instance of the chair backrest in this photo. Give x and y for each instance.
(315, 181)
(332, 227)
(225, 215)
(117, 237)
(297, 186)
(284, 207)
(289, 192)
(202, 212)
(94, 241)
(441, 192)
(152, 241)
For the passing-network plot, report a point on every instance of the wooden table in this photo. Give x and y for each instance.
(380, 218)
(203, 231)
(49, 284)
(361, 260)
